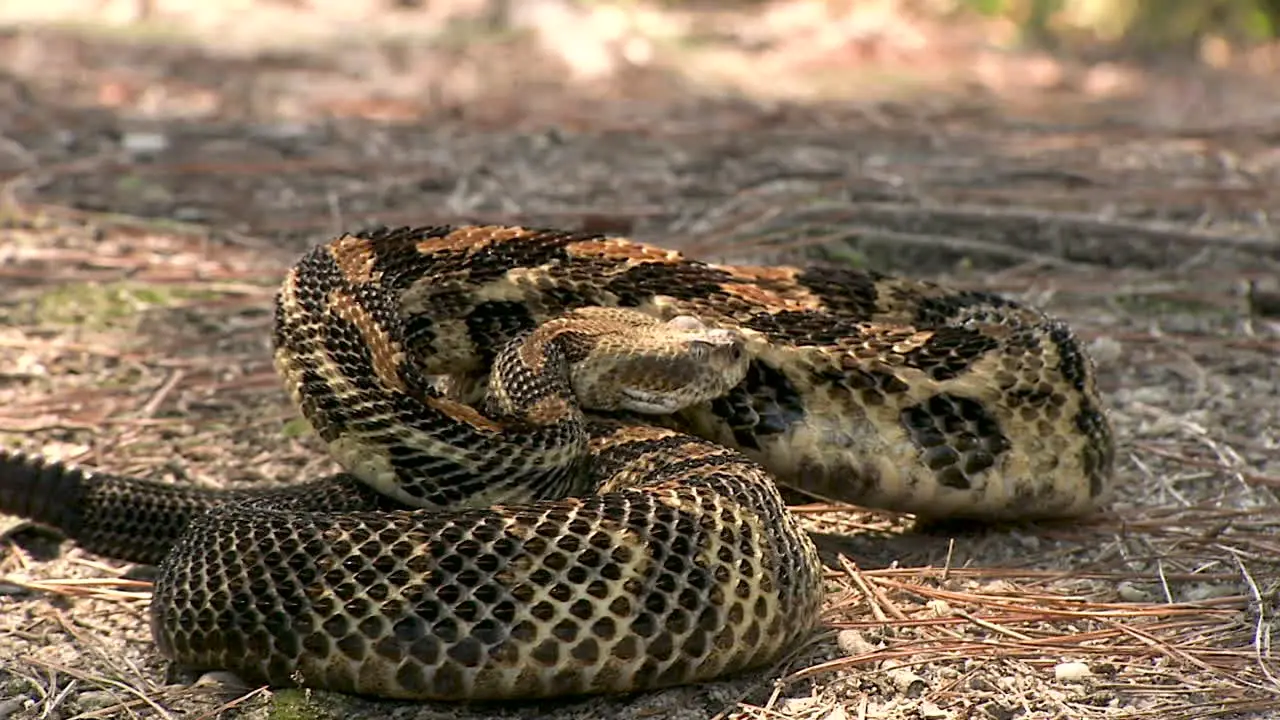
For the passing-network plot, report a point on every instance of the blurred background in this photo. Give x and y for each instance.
(90, 78)
(442, 53)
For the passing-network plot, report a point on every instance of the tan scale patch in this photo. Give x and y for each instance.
(756, 295)
(288, 295)
(470, 238)
(789, 291)
(755, 273)
(385, 354)
(513, 287)
(629, 434)
(462, 239)
(619, 249)
(354, 257)
(532, 351)
(549, 411)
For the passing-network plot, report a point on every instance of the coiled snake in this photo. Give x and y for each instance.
(491, 540)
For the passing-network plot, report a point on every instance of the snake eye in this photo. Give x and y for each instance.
(699, 350)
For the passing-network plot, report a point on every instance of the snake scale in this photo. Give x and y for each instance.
(562, 455)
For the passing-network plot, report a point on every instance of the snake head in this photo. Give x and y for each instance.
(661, 368)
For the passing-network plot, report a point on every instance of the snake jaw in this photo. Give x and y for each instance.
(649, 403)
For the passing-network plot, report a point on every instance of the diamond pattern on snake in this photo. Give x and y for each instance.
(562, 455)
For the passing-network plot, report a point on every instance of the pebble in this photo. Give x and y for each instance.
(853, 644)
(1106, 350)
(144, 142)
(221, 678)
(13, 705)
(97, 700)
(1130, 592)
(939, 608)
(11, 589)
(929, 711)
(1071, 671)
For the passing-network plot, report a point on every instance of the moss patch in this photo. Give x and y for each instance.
(293, 704)
(108, 305)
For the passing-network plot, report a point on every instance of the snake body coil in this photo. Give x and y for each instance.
(490, 539)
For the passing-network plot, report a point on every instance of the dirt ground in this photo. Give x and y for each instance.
(156, 184)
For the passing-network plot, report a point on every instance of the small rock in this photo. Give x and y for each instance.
(13, 706)
(999, 711)
(998, 587)
(929, 711)
(144, 142)
(1130, 592)
(1263, 302)
(1148, 395)
(939, 608)
(1105, 350)
(1198, 592)
(65, 138)
(1071, 671)
(145, 573)
(221, 678)
(1028, 542)
(797, 706)
(982, 685)
(852, 643)
(908, 683)
(187, 213)
(11, 590)
(97, 700)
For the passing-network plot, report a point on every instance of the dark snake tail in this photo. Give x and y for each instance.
(139, 520)
(44, 492)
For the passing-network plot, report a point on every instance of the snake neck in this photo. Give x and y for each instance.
(530, 383)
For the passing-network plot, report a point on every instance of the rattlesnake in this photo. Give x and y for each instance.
(558, 553)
